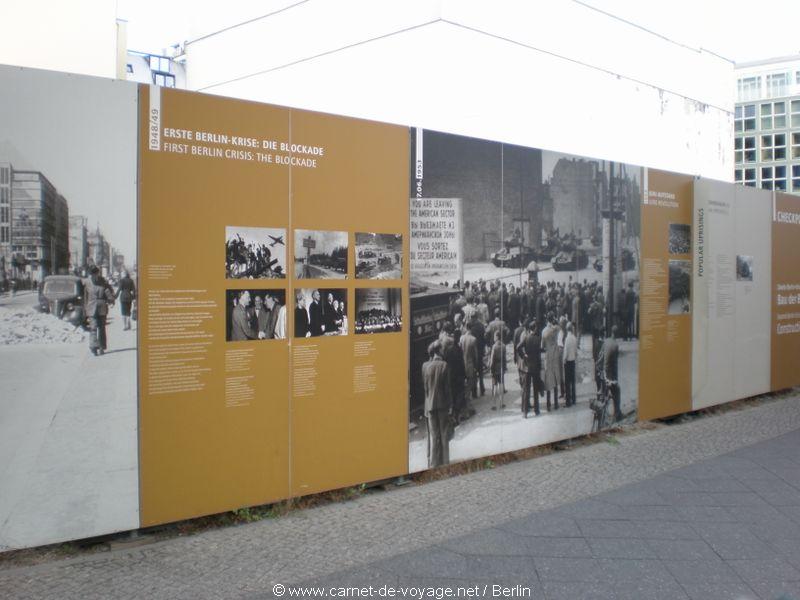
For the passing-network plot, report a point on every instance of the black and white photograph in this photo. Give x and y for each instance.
(379, 256)
(255, 253)
(68, 307)
(744, 268)
(320, 312)
(320, 254)
(680, 238)
(680, 285)
(379, 310)
(255, 315)
(539, 340)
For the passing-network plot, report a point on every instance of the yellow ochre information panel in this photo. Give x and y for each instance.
(272, 264)
(665, 309)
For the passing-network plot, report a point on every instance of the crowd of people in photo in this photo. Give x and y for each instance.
(265, 319)
(680, 239)
(251, 260)
(377, 321)
(540, 328)
(319, 318)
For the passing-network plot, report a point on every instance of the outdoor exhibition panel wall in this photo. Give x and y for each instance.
(68, 425)
(733, 292)
(258, 228)
(324, 301)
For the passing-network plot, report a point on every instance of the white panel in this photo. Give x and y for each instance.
(714, 295)
(731, 320)
(753, 299)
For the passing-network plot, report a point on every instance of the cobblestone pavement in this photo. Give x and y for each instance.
(717, 527)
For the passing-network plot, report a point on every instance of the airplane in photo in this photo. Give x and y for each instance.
(276, 240)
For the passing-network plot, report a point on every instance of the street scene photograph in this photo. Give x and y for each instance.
(379, 256)
(255, 253)
(320, 312)
(744, 268)
(680, 286)
(379, 310)
(320, 254)
(68, 308)
(253, 314)
(536, 330)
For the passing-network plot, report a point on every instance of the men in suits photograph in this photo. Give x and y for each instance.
(438, 404)
(260, 318)
(330, 315)
(316, 323)
(530, 350)
(302, 327)
(241, 327)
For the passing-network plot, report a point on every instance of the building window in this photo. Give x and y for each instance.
(773, 178)
(5, 237)
(750, 177)
(796, 178)
(773, 115)
(3, 195)
(777, 85)
(750, 149)
(745, 149)
(160, 63)
(749, 88)
(795, 113)
(780, 178)
(745, 118)
(4, 214)
(129, 68)
(164, 80)
(795, 145)
(4, 175)
(773, 147)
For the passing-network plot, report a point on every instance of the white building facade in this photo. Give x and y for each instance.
(568, 78)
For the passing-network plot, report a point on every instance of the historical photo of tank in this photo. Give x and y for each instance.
(255, 315)
(320, 254)
(379, 256)
(680, 280)
(744, 268)
(320, 312)
(379, 310)
(680, 238)
(68, 307)
(255, 253)
(538, 341)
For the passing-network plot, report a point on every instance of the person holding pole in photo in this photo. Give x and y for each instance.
(97, 298)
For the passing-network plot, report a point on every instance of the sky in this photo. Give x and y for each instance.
(740, 30)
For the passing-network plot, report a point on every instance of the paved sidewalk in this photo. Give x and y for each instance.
(705, 509)
(728, 527)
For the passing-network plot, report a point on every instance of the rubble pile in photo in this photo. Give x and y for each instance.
(23, 325)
